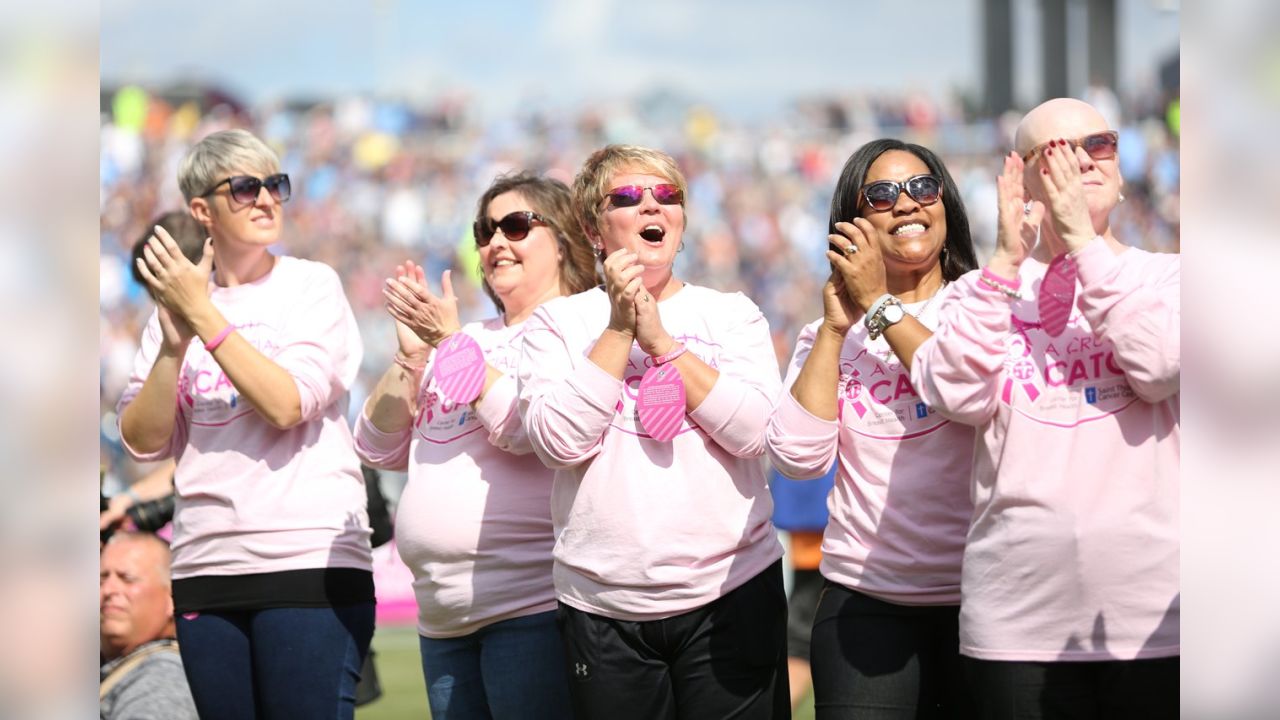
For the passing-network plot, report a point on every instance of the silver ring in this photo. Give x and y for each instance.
(1026, 209)
(851, 249)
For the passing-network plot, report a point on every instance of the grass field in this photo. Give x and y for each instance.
(404, 695)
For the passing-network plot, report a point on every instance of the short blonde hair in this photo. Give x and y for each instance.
(210, 161)
(593, 181)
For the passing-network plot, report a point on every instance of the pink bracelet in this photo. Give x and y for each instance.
(991, 277)
(675, 352)
(405, 364)
(217, 339)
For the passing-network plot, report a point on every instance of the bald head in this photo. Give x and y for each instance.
(1057, 118)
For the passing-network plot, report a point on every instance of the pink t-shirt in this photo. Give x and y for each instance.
(251, 498)
(1073, 549)
(474, 522)
(648, 529)
(900, 506)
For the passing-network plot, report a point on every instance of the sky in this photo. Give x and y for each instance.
(747, 56)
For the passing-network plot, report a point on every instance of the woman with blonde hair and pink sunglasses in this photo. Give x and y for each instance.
(648, 396)
(474, 521)
(1064, 353)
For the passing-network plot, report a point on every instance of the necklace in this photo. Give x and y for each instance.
(928, 302)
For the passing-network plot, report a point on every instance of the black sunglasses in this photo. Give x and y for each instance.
(245, 188)
(883, 194)
(515, 226)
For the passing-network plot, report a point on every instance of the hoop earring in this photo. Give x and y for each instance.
(681, 248)
(1121, 198)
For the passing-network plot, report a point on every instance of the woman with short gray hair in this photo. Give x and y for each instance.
(272, 581)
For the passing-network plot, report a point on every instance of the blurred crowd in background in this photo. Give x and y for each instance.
(376, 182)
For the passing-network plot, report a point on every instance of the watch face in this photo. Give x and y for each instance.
(892, 313)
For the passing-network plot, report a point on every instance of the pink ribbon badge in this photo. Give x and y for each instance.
(459, 368)
(1057, 295)
(660, 402)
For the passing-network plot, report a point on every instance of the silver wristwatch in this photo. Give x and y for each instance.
(885, 312)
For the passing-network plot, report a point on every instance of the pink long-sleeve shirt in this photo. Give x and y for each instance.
(1073, 549)
(900, 506)
(474, 522)
(251, 498)
(647, 529)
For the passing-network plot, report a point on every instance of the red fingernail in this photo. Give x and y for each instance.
(1044, 171)
(1049, 151)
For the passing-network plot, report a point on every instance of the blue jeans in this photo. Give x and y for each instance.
(275, 663)
(510, 669)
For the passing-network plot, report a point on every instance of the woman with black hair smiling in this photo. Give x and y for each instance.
(885, 634)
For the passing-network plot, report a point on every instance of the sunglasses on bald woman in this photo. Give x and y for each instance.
(1099, 146)
(245, 188)
(883, 194)
(630, 195)
(515, 226)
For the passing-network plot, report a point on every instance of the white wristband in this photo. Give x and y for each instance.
(875, 309)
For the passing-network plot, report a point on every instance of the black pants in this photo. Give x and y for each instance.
(876, 660)
(806, 587)
(1128, 689)
(724, 660)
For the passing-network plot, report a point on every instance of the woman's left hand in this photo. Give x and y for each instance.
(1064, 195)
(862, 270)
(432, 318)
(651, 336)
(176, 283)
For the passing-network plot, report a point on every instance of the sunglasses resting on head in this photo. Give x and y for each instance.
(631, 195)
(244, 189)
(515, 226)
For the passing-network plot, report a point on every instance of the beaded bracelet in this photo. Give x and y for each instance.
(405, 364)
(992, 277)
(1000, 288)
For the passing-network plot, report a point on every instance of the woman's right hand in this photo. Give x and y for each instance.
(1019, 219)
(622, 283)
